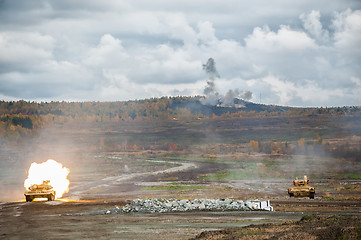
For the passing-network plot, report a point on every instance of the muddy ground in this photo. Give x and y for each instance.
(61, 220)
(309, 227)
(74, 217)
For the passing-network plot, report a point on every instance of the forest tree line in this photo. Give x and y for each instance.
(19, 118)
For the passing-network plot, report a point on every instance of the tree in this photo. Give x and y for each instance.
(254, 146)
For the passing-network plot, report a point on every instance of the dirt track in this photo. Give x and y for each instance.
(99, 187)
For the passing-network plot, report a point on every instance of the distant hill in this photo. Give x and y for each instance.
(22, 118)
(32, 114)
(195, 106)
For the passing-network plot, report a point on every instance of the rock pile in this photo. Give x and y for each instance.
(172, 205)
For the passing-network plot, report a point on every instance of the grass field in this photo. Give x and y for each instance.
(324, 147)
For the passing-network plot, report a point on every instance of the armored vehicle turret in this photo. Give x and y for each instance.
(302, 189)
(44, 190)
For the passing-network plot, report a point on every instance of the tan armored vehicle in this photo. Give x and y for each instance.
(302, 189)
(44, 190)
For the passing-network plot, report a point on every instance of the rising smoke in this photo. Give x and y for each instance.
(212, 96)
(210, 92)
(210, 69)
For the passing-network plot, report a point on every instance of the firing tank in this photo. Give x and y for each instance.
(302, 189)
(44, 190)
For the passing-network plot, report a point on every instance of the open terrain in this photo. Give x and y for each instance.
(112, 163)
(76, 215)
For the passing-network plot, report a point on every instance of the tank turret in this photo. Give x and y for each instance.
(302, 189)
(44, 190)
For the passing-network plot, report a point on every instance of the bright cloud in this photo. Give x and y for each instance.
(312, 23)
(347, 27)
(285, 39)
(309, 93)
(307, 55)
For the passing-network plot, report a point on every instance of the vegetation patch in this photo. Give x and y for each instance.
(174, 187)
(249, 232)
(309, 227)
(353, 176)
(308, 217)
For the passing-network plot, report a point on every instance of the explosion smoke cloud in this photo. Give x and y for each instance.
(212, 96)
(210, 68)
(49, 170)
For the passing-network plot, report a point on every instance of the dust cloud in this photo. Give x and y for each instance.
(53, 142)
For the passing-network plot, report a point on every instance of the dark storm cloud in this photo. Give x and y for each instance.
(303, 53)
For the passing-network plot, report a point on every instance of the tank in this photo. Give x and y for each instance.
(302, 189)
(44, 190)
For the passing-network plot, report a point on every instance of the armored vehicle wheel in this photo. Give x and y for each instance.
(28, 198)
(51, 198)
(291, 194)
(312, 195)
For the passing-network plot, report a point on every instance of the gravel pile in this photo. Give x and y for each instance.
(184, 205)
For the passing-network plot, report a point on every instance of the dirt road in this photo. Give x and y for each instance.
(105, 185)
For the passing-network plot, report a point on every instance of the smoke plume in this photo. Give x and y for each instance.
(210, 68)
(212, 97)
(210, 91)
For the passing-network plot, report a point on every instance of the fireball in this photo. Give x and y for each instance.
(49, 170)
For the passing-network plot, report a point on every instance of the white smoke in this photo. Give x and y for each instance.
(247, 95)
(212, 96)
(228, 99)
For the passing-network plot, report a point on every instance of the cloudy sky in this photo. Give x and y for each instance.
(295, 53)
